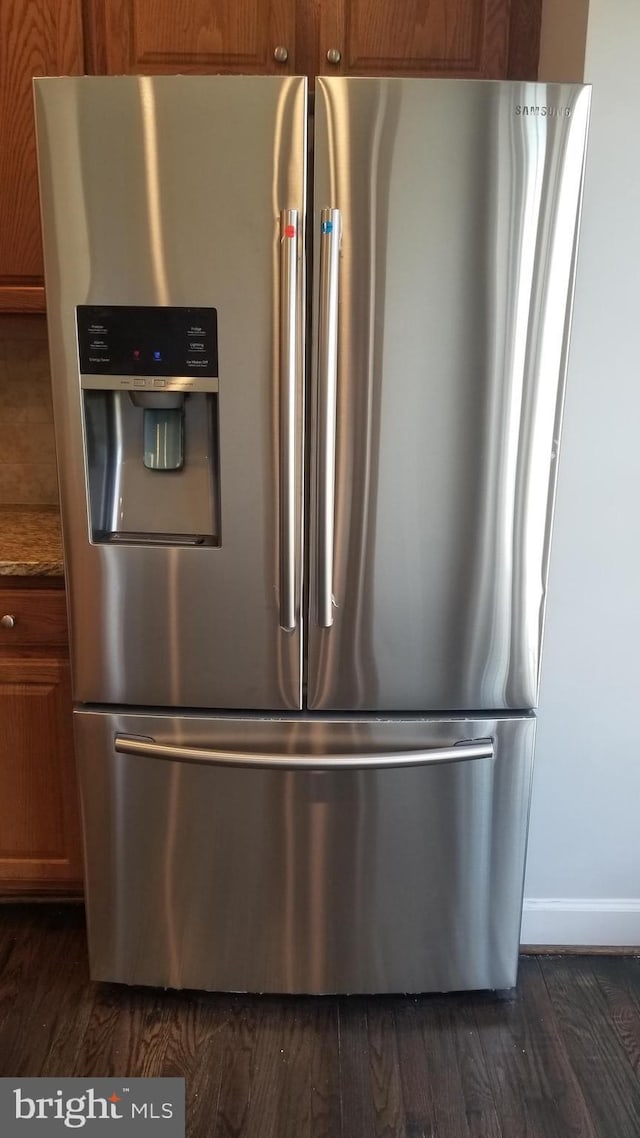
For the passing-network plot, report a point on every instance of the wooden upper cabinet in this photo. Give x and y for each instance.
(496, 39)
(473, 39)
(37, 37)
(152, 37)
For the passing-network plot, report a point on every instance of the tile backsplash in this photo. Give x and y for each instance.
(27, 451)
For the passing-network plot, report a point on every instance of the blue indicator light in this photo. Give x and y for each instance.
(327, 227)
(157, 356)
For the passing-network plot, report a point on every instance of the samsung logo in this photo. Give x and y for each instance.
(544, 112)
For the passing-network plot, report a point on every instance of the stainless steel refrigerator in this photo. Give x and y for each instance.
(307, 441)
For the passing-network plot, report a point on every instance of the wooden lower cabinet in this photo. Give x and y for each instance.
(40, 846)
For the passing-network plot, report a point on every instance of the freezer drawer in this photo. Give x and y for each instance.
(296, 855)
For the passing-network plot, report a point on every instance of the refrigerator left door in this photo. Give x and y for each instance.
(173, 221)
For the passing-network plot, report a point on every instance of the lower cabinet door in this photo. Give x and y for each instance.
(39, 819)
(305, 855)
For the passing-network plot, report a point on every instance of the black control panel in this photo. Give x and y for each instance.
(147, 341)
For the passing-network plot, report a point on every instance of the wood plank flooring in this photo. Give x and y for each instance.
(561, 1059)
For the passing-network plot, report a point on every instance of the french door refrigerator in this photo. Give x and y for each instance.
(306, 613)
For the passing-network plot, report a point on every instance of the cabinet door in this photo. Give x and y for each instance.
(490, 39)
(37, 37)
(39, 827)
(154, 37)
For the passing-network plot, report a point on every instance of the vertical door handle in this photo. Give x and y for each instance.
(288, 390)
(327, 394)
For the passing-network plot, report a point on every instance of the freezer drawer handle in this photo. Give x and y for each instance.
(330, 225)
(458, 753)
(288, 377)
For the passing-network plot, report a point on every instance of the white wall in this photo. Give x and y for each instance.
(583, 875)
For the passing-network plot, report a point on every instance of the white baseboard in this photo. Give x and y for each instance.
(585, 921)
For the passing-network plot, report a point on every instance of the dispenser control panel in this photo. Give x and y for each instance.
(144, 346)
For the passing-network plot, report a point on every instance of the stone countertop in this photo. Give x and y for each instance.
(30, 542)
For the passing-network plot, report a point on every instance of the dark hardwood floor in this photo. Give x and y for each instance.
(561, 1059)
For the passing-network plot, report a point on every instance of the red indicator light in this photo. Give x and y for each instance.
(136, 354)
(290, 231)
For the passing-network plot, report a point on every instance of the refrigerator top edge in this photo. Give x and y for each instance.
(191, 80)
(449, 81)
(322, 80)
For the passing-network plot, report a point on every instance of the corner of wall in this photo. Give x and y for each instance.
(563, 36)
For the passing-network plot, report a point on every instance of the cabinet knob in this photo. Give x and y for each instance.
(280, 53)
(7, 621)
(334, 55)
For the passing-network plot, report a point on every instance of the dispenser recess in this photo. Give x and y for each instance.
(150, 401)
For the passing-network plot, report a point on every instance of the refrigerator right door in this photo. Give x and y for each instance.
(445, 234)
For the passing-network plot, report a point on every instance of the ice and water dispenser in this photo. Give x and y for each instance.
(149, 379)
